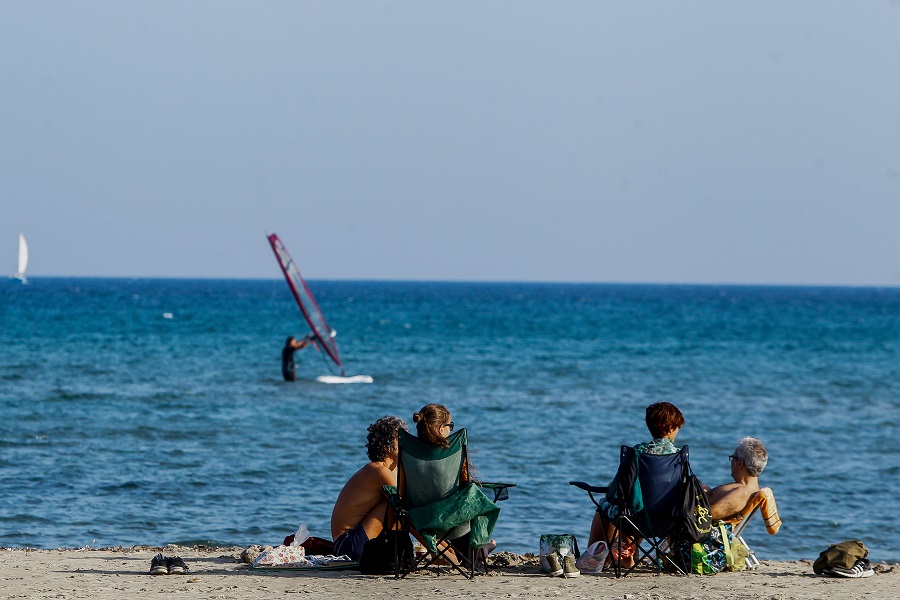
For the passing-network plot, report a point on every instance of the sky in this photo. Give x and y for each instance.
(619, 141)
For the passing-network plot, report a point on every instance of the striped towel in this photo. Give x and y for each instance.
(765, 500)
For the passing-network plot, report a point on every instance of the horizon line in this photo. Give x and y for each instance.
(479, 281)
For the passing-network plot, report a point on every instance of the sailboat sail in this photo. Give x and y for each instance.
(307, 303)
(23, 260)
(23, 255)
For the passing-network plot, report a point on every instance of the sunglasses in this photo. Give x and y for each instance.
(450, 425)
(732, 458)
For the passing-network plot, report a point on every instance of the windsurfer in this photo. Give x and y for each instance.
(291, 345)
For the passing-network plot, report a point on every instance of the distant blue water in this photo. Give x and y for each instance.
(120, 426)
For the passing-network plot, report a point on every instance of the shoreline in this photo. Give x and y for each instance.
(112, 573)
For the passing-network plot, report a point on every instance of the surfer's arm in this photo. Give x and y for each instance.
(300, 344)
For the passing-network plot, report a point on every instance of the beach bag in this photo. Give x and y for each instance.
(282, 556)
(593, 559)
(721, 552)
(843, 555)
(736, 553)
(561, 543)
(701, 563)
(696, 523)
(378, 553)
(318, 546)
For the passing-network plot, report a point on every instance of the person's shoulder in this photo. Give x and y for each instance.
(377, 471)
(728, 487)
(735, 491)
(371, 475)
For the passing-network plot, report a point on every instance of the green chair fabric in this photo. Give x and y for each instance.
(469, 505)
(438, 502)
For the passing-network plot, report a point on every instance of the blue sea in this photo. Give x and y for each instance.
(153, 411)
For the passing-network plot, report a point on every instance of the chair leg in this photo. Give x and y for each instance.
(464, 552)
(483, 558)
(751, 561)
(617, 539)
(396, 557)
(620, 520)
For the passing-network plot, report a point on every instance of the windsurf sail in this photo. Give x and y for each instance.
(307, 303)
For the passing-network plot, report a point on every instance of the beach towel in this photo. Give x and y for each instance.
(282, 556)
(294, 558)
(765, 500)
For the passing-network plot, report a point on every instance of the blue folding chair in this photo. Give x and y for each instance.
(644, 502)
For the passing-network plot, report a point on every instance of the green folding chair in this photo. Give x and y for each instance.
(434, 499)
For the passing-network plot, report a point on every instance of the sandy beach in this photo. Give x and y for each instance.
(220, 574)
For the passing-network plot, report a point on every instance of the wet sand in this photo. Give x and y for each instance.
(109, 574)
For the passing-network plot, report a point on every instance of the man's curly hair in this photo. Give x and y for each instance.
(382, 437)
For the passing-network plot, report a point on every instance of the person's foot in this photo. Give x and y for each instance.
(485, 550)
(158, 565)
(623, 555)
(176, 566)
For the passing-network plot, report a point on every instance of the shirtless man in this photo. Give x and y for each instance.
(359, 511)
(747, 462)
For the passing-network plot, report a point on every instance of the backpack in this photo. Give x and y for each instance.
(696, 523)
(378, 553)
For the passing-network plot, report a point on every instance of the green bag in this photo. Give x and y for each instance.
(700, 563)
(562, 543)
(735, 552)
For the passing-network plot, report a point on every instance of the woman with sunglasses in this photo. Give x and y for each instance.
(433, 424)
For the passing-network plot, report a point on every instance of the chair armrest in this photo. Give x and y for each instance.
(501, 490)
(494, 484)
(593, 489)
(393, 498)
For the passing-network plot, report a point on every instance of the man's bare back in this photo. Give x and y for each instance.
(729, 499)
(362, 502)
(360, 511)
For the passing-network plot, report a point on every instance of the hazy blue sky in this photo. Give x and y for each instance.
(734, 142)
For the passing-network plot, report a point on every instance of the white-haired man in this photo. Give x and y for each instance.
(747, 462)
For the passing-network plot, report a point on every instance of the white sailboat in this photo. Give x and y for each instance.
(23, 260)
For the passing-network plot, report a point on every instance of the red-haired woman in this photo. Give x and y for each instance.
(664, 421)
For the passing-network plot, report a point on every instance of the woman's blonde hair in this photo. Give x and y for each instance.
(429, 421)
